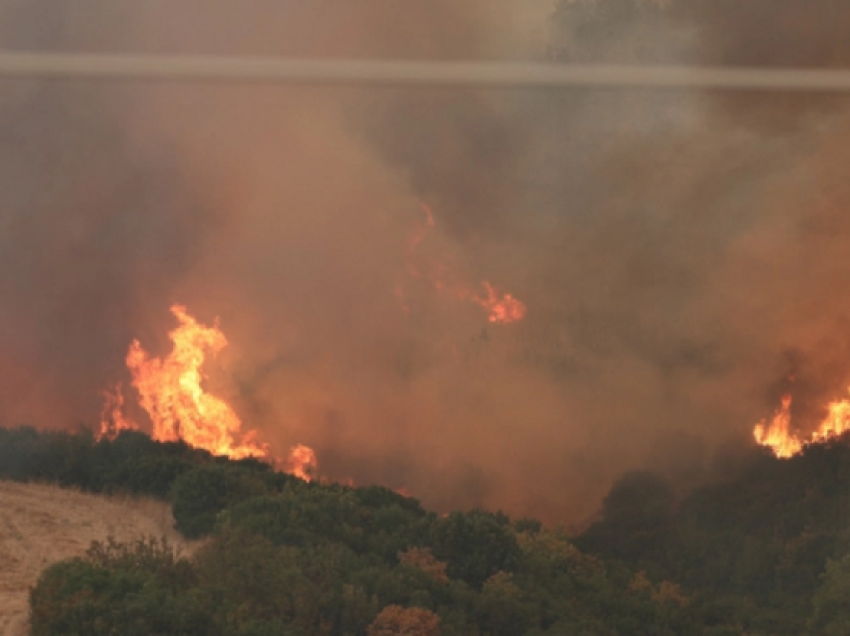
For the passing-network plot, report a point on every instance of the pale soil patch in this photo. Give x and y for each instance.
(41, 524)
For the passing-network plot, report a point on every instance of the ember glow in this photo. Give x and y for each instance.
(170, 392)
(778, 436)
(502, 308)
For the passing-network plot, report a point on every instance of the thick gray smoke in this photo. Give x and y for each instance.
(680, 253)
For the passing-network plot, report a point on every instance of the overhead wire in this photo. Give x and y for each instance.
(474, 74)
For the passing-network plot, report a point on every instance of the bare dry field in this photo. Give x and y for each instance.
(41, 524)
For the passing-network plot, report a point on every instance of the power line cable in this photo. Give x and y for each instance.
(414, 73)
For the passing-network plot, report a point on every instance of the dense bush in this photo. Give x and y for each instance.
(476, 545)
(311, 514)
(131, 463)
(135, 590)
(200, 494)
(754, 542)
(758, 550)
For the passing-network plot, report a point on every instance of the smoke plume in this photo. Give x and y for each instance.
(679, 252)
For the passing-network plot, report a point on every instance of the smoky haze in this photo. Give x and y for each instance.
(680, 253)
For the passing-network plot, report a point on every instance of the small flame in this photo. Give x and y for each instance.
(785, 444)
(112, 419)
(302, 462)
(502, 308)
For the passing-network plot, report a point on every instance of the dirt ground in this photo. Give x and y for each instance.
(41, 524)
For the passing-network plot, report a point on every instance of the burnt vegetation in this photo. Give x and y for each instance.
(760, 548)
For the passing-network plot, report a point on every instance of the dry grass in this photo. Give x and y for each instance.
(41, 524)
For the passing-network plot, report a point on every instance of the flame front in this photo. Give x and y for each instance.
(778, 436)
(836, 423)
(170, 392)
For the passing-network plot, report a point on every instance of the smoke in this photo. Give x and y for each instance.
(672, 247)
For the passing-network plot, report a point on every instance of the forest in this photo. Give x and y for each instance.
(759, 547)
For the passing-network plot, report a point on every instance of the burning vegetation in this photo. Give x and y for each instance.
(501, 307)
(779, 435)
(170, 389)
(755, 550)
(657, 237)
(179, 408)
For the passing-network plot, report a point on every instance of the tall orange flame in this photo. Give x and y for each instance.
(170, 391)
(778, 436)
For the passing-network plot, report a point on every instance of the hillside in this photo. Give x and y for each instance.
(42, 524)
(759, 547)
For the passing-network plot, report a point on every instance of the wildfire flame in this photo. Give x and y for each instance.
(170, 392)
(778, 436)
(502, 308)
(302, 462)
(836, 423)
(112, 420)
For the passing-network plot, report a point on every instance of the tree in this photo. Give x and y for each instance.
(475, 545)
(422, 559)
(203, 492)
(133, 590)
(831, 608)
(636, 518)
(395, 620)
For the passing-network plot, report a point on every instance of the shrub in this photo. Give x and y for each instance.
(475, 545)
(398, 621)
(199, 495)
